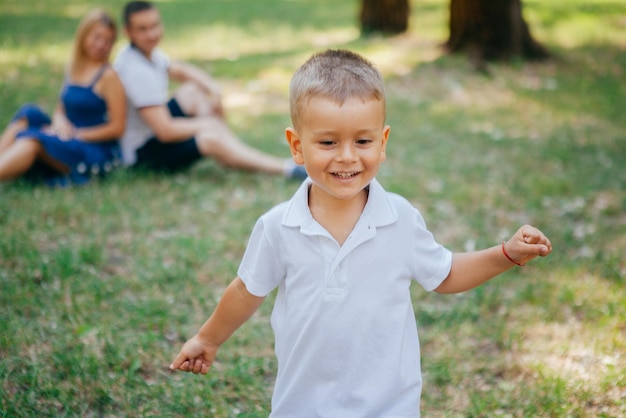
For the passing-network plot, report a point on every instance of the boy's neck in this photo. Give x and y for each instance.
(337, 216)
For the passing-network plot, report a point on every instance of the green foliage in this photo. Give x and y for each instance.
(100, 285)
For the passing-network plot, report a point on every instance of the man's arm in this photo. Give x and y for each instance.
(183, 71)
(167, 128)
(470, 270)
(171, 129)
(234, 308)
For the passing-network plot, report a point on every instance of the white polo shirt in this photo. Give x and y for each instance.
(345, 332)
(146, 83)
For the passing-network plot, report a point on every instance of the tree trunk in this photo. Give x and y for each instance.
(386, 16)
(491, 30)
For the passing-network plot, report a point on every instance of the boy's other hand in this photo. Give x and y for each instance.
(194, 357)
(527, 243)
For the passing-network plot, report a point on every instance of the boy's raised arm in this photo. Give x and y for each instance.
(470, 270)
(233, 309)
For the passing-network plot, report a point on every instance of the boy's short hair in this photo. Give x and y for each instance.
(133, 7)
(336, 74)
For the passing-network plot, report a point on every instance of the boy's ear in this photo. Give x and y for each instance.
(295, 145)
(383, 151)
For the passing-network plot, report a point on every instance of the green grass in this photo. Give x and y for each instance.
(100, 285)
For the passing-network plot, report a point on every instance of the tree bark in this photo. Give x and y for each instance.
(385, 16)
(491, 30)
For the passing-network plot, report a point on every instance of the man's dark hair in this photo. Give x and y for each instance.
(134, 7)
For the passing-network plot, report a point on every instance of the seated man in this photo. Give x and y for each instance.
(167, 136)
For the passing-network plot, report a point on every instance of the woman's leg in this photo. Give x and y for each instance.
(8, 136)
(21, 155)
(27, 116)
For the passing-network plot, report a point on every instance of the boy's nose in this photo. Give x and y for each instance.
(347, 153)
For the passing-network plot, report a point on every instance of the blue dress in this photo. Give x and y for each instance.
(83, 108)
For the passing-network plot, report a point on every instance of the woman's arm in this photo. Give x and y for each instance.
(61, 126)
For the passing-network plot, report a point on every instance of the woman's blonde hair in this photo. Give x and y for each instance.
(93, 18)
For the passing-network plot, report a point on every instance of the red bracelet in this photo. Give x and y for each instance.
(507, 256)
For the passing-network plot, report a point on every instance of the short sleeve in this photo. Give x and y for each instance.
(146, 82)
(432, 260)
(260, 268)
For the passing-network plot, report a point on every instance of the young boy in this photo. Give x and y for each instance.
(343, 253)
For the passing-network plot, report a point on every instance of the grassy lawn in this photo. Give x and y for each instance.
(100, 285)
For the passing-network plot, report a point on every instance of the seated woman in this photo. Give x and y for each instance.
(81, 140)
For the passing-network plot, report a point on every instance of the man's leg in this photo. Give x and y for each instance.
(218, 141)
(194, 102)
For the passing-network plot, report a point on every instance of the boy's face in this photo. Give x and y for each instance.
(341, 147)
(145, 30)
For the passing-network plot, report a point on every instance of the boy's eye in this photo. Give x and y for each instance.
(327, 142)
(363, 141)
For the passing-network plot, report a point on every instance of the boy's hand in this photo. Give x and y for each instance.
(195, 356)
(527, 243)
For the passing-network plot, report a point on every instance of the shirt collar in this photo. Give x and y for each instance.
(378, 210)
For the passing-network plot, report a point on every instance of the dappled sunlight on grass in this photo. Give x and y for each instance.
(215, 41)
(562, 327)
(567, 351)
(37, 57)
(586, 347)
(399, 55)
(576, 23)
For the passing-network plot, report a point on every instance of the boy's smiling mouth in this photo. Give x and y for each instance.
(345, 175)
